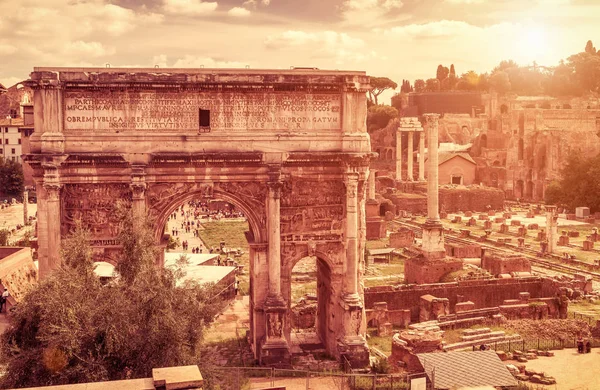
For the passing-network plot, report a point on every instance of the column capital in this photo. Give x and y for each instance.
(138, 189)
(275, 189)
(52, 190)
(431, 118)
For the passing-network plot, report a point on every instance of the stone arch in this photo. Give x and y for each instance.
(329, 281)
(389, 155)
(256, 221)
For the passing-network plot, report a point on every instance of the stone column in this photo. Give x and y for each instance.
(274, 237)
(432, 168)
(371, 194)
(53, 228)
(25, 204)
(410, 156)
(351, 234)
(398, 155)
(422, 156)
(551, 228)
(433, 232)
(138, 191)
(275, 349)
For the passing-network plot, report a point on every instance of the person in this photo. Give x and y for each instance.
(579, 344)
(588, 346)
(4, 298)
(236, 287)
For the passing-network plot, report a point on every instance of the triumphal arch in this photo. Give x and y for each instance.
(289, 148)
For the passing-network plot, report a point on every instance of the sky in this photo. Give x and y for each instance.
(399, 39)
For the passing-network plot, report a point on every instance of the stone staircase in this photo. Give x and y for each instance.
(476, 337)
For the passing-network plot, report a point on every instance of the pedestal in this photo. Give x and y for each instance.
(275, 350)
(353, 348)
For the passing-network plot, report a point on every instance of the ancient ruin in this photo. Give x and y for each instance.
(288, 148)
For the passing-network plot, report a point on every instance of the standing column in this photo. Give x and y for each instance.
(410, 156)
(432, 168)
(53, 227)
(351, 277)
(422, 156)
(433, 231)
(25, 204)
(274, 237)
(371, 184)
(138, 190)
(551, 228)
(398, 155)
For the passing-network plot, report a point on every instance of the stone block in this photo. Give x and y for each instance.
(464, 233)
(457, 219)
(507, 215)
(385, 329)
(530, 214)
(464, 306)
(573, 233)
(487, 225)
(514, 222)
(468, 214)
(588, 245)
(403, 238)
(571, 217)
(541, 236)
(443, 215)
(563, 240)
(533, 226)
(372, 208)
(483, 217)
(389, 216)
(184, 377)
(376, 228)
(499, 220)
(522, 232)
(472, 222)
(503, 228)
(491, 213)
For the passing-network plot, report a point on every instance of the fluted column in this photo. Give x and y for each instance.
(138, 191)
(351, 275)
(422, 156)
(432, 168)
(410, 156)
(398, 155)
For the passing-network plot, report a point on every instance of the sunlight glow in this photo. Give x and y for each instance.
(535, 44)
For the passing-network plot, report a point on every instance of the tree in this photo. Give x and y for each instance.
(419, 85)
(380, 84)
(499, 82)
(406, 87)
(579, 183)
(587, 70)
(432, 85)
(452, 71)
(70, 328)
(400, 101)
(442, 73)
(379, 116)
(11, 178)
(468, 81)
(589, 48)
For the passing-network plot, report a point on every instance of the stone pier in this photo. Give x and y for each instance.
(551, 228)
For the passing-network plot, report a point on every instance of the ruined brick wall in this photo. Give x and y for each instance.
(472, 198)
(483, 293)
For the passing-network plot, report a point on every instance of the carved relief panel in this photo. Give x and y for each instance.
(94, 205)
(312, 207)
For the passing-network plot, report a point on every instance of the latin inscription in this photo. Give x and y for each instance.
(172, 111)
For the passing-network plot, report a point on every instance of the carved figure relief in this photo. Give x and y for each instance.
(275, 325)
(94, 205)
(311, 206)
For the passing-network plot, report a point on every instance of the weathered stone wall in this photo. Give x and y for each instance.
(472, 198)
(483, 293)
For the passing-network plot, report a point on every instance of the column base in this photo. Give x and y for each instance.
(275, 350)
(354, 350)
(433, 239)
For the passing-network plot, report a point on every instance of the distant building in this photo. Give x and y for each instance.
(2, 89)
(10, 129)
(456, 168)
(455, 102)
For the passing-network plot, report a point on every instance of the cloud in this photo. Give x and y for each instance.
(189, 7)
(6, 49)
(440, 29)
(368, 13)
(87, 49)
(332, 45)
(190, 61)
(254, 3)
(238, 12)
(465, 1)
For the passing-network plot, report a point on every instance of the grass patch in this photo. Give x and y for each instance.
(591, 309)
(384, 344)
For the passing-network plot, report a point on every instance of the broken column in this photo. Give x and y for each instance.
(399, 154)
(551, 228)
(410, 156)
(421, 156)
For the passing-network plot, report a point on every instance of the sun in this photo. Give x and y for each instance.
(533, 43)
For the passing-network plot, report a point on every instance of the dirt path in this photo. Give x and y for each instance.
(572, 371)
(12, 216)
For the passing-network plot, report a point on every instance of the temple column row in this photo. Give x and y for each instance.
(410, 152)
